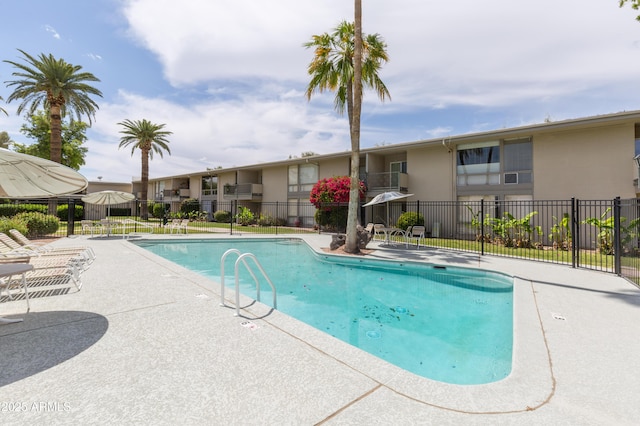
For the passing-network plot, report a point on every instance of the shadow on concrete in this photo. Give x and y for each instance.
(46, 339)
(630, 296)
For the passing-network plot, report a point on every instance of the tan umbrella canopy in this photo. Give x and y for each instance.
(386, 197)
(26, 176)
(107, 198)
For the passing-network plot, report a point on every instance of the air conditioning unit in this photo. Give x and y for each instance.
(511, 178)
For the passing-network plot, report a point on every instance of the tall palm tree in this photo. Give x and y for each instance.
(55, 86)
(332, 67)
(344, 62)
(148, 138)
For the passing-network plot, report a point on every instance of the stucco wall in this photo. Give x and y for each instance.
(274, 184)
(430, 173)
(592, 163)
(334, 167)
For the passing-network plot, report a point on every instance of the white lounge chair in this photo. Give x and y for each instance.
(47, 271)
(20, 241)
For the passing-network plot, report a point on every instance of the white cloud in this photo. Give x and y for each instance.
(216, 133)
(94, 57)
(54, 33)
(239, 70)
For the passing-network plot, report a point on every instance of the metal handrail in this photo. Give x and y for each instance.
(242, 259)
(224, 256)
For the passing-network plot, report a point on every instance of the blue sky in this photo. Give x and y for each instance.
(227, 77)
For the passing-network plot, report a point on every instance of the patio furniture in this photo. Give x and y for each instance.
(7, 271)
(174, 225)
(135, 228)
(415, 232)
(110, 226)
(388, 233)
(90, 226)
(184, 226)
(86, 253)
(47, 270)
(177, 225)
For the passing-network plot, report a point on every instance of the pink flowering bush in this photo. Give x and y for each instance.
(330, 196)
(333, 190)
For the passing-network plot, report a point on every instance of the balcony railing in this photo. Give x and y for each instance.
(172, 194)
(387, 181)
(243, 191)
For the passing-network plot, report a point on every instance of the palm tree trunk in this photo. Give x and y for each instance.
(144, 211)
(351, 243)
(55, 141)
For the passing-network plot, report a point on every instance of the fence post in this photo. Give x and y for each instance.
(575, 233)
(276, 217)
(71, 206)
(233, 216)
(482, 226)
(617, 243)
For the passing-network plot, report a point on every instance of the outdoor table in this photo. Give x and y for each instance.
(110, 225)
(388, 232)
(6, 271)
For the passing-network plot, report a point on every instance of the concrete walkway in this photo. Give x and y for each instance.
(146, 342)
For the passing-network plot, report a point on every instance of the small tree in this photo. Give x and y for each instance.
(329, 196)
(560, 234)
(605, 227)
(38, 128)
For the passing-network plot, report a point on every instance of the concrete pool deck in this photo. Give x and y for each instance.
(146, 342)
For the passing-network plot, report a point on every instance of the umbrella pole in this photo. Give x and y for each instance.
(388, 224)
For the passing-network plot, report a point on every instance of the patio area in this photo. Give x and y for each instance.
(146, 342)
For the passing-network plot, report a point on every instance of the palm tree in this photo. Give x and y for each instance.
(148, 138)
(2, 109)
(344, 62)
(55, 86)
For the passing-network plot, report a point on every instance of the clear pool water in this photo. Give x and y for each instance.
(453, 325)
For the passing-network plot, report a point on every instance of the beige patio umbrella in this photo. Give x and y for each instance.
(108, 198)
(386, 197)
(26, 176)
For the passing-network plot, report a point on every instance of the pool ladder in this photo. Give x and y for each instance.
(242, 258)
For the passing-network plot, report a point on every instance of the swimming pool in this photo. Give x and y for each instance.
(453, 325)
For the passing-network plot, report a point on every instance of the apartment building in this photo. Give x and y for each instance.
(588, 158)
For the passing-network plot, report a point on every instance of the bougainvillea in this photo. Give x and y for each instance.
(333, 190)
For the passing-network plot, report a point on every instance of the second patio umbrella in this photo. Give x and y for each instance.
(108, 198)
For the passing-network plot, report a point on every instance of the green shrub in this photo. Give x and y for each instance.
(245, 216)
(266, 220)
(190, 205)
(38, 224)
(9, 210)
(222, 216)
(157, 210)
(408, 219)
(333, 219)
(9, 223)
(62, 211)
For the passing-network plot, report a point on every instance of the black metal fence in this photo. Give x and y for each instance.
(602, 235)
